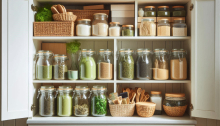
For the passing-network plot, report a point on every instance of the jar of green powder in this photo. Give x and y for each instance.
(60, 67)
(149, 11)
(163, 11)
(127, 30)
(178, 11)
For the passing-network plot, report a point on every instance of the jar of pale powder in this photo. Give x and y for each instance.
(100, 24)
(147, 27)
(163, 27)
(83, 27)
(114, 29)
(179, 27)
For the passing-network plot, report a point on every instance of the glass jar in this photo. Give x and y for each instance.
(140, 12)
(99, 101)
(179, 11)
(179, 27)
(64, 101)
(100, 24)
(60, 67)
(87, 65)
(83, 27)
(147, 27)
(163, 11)
(44, 65)
(160, 64)
(47, 99)
(144, 64)
(127, 30)
(81, 102)
(149, 11)
(114, 29)
(178, 64)
(163, 27)
(105, 65)
(156, 97)
(125, 65)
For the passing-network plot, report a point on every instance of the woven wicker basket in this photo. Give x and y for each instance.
(54, 28)
(145, 109)
(123, 110)
(64, 17)
(175, 111)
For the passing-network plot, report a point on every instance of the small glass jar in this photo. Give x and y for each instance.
(179, 27)
(64, 101)
(140, 12)
(156, 97)
(87, 65)
(178, 11)
(125, 65)
(127, 30)
(114, 29)
(163, 27)
(178, 64)
(144, 64)
(161, 64)
(100, 24)
(99, 101)
(47, 99)
(149, 11)
(147, 27)
(105, 65)
(60, 67)
(83, 27)
(163, 11)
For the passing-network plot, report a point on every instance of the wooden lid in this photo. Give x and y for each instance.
(81, 88)
(178, 18)
(47, 88)
(155, 92)
(163, 7)
(178, 50)
(146, 103)
(99, 14)
(84, 20)
(149, 7)
(66, 88)
(176, 95)
(127, 25)
(114, 23)
(160, 50)
(178, 7)
(60, 56)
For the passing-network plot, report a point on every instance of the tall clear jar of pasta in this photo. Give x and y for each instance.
(60, 67)
(100, 24)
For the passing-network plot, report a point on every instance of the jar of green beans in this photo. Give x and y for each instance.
(60, 67)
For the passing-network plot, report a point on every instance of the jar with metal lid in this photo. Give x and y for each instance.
(114, 29)
(87, 65)
(178, 11)
(163, 11)
(105, 64)
(83, 27)
(99, 101)
(125, 65)
(156, 97)
(100, 24)
(163, 27)
(44, 65)
(149, 11)
(161, 64)
(178, 64)
(60, 67)
(147, 27)
(64, 100)
(179, 27)
(144, 64)
(127, 30)
(47, 99)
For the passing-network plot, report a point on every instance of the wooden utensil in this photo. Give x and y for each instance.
(142, 95)
(133, 98)
(146, 97)
(138, 94)
(119, 100)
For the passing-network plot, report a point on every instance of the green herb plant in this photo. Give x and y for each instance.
(44, 13)
(100, 105)
(73, 46)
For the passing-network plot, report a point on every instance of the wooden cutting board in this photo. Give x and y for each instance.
(56, 48)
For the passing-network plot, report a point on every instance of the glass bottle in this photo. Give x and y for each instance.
(163, 27)
(114, 29)
(163, 11)
(147, 27)
(140, 12)
(100, 24)
(60, 67)
(83, 27)
(179, 27)
(149, 11)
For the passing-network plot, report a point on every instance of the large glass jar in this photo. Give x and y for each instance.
(81, 101)
(125, 65)
(87, 65)
(100, 24)
(60, 67)
(178, 11)
(150, 11)
(161, 64)
(114, 29)
(105, 65)
(127, 30)
(147, 27)
(64, 101)
(83, 27)
(156, 98)
(178, 64)
(163, 11)
(163, 27)
(99, 101)
(47, 99)
(144, 64)
(44, 65)
(179, 27)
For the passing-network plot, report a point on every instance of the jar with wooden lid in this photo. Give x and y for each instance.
(100, 24)
(156, 97)
(127, 30)
(149, 11)
(114, 29)
(179, 27)
(178, 11)
(60, 67)
(163, 27)
(147, 27)
(83, 27)
(163, 11)
(178, 64)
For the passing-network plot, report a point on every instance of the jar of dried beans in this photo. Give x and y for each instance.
(163, 27)
(179, 27)
(60, 67)
(147, 27)
(100, 24)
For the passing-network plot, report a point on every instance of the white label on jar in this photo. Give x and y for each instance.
(83, 30)
(100, 29)
(114, 31)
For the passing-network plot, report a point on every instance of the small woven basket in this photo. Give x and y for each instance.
(64, 17)
(123, 110)
(145, 109)
(175, 111)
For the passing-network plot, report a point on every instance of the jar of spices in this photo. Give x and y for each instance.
(47, 99)
(178, 64)
(163, 11)
(60, 67)
(100, 24)
(140, 12)
(114, 29)
(99, 101)
(64, 101)
(104, 64)
(163, 27)
(156, 97)
(147, 27)
(144, 64)
(87, 65)
(83, 27)
(179, 27)
(178, 11)
(44, 65)
(150, 11)
(125, 65)
(175, 104)
(127, 30)
(160, 64)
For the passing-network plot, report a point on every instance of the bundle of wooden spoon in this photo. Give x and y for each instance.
(122, 98)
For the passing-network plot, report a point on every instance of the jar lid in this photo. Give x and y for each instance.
(47, 88)
(143, 50)
(84, 20)
(178, 7)
(45, 52)
(146, 103)
(178, 50)
(163, 7)
(79, 88)
(148, 19)
(114, 23)
(155, 92)
(60, 56)
(127, 25)
(149, 7)
(175, 19)
(66, 88)
(160, 50)
(98, 87)
(105, 51)
(126, 50)
(176, 95)
(87, 51)
(100, 14)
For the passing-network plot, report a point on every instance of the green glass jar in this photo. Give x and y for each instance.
(163, 11)
(127, 30)
(149, 11)
(178, 11)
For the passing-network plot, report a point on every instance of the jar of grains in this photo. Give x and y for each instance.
(147, 27)
(114, 29)
(127, 30)
(163, 11)
(156, 98)
(179, 27)
(83, 27)
(60, 67)
(100, 24)
(104, 65)
(163, 27)
(144, 64)
(125, 65)
(178, 64)
(150, 11)
(178, 11)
